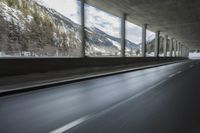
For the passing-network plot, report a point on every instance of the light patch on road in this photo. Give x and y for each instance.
(172, 75)
(71, 124)
(191, 66)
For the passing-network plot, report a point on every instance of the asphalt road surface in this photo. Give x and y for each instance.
(163, 99)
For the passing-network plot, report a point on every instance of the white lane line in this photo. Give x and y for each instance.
(172, 75)
(77, 122)
(72, 124)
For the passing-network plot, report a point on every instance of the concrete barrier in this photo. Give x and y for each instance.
(21, 66)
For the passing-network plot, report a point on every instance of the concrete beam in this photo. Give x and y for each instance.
(157, 44)
(123, 34)
(144, 34)
(83, 34)
(165, 45)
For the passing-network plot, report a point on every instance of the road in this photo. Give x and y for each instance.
(163, 99)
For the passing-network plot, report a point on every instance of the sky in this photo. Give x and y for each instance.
(96, 18)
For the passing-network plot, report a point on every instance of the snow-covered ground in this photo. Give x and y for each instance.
(194, 55)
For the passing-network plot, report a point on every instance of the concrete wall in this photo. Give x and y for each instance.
(20, 66)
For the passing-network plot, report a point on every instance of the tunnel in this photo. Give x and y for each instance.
(99, 66)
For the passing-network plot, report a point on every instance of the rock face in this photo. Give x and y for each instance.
(29, 28)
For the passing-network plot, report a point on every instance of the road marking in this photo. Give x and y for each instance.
(172, 75)
(71, 124)
(77, 122)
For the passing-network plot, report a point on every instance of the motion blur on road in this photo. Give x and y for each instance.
(163, 99)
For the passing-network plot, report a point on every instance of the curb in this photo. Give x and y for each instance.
(84, 78)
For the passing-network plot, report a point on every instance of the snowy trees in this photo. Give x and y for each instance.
(35, 30)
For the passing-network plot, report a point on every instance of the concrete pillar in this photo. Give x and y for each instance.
(175, 48)
(182, 51)
(185, 51)
(188, 52)
(179, 49)
(144, 34)
(123, 35)
(157, 44)
(171, 47)
(165, 45)
(83, 34)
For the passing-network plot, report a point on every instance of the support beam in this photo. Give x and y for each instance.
(144, 34)
(171, 48)
(123, 34)
(157, 44)
(83, 34)
(165, 45)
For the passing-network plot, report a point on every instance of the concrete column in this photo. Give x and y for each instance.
(179, 49)
(188, 52)
(175, 49)
(157, 44)
(182, 51)
(83, 34)
(165, 45)
(144, 34)
(171, 47)
(185, 51)
(123, 35)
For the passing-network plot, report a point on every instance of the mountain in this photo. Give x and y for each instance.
(31, 28)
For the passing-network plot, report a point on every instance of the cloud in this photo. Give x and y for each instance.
(97, 18)
(68, 8)
(102, 20)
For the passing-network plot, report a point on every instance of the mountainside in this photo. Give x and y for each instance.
(29, 28)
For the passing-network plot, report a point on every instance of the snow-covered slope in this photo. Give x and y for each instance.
(14, 16)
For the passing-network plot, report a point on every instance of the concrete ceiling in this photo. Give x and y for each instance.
(179, 19)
